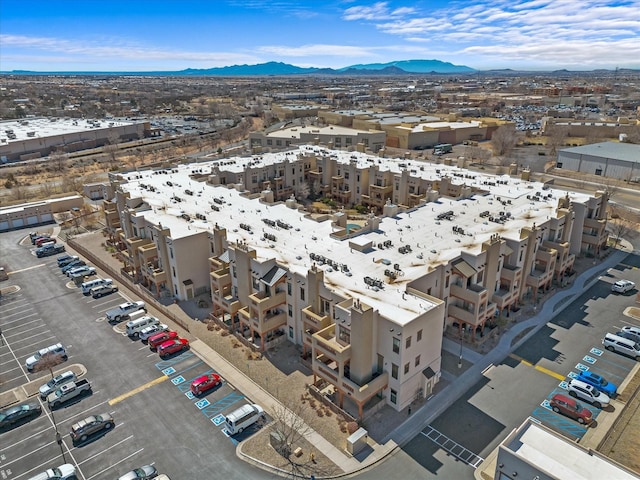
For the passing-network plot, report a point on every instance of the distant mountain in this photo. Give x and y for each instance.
(415, 66)
(269, 68)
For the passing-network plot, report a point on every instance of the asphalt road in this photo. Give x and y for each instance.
(157, 421)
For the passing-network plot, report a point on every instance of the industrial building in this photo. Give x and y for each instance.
(366, 297)
(607, 159)
(32, 138)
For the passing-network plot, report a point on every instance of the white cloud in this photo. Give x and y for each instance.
(317, 50)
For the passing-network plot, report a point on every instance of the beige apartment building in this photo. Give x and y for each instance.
(366, 298)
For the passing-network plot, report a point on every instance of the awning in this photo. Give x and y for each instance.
(224, 257)
(464, 269)
(273, 275)
(429, 373)
(188, 282)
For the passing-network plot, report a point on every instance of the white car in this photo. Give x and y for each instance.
(123, 310)
(147, 332)
(56, 353)
(55, 382)
(63, 472)
(84, 271)
(623, 286)
(143, 473)
(588, 393)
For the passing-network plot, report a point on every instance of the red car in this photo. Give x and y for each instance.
(569, 407)
(205, 383)
(161, 337)
(170, 347)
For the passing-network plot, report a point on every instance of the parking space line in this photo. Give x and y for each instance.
(111, 466)
(213, 409)
(5, 329)
(139, 389)
(454, 448)
(106, 450)
(18, 442)
(82, 413)
(540, 368)
(26, 269)
(19, 319)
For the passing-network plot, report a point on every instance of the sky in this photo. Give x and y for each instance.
(162, 35)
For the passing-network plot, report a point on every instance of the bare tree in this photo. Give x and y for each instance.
(58, 160)
(620, 225)
(503, 140)
(303, 190)
(111, 148)
(556, 137)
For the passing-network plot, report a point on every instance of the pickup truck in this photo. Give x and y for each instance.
(68, 391)
(123, 310)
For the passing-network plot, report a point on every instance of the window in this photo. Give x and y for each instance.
(598, 171)
(408, 342)
(301, 293)
(173, 270)
(171, 251)
(394, 396)
(325, 306)
(558, 164)
(419, 335)
(396, 345)
(417, 362)
(394, 371)
(446, 282)
(288, 288)
(406, 368)
(290, 332)
(233, 271)
(290, 310)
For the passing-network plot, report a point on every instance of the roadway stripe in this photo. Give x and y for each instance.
(25, 269)
(150, 384)
(551, 373)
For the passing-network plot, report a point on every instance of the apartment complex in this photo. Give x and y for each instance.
(366, 297)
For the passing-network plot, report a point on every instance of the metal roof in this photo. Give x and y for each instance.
(627, 152)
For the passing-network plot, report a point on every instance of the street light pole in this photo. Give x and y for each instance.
(58, 437)
(460, 358)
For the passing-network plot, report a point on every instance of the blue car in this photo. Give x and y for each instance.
(598, 382)
(74, 264)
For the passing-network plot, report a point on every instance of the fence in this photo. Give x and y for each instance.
(117, 275)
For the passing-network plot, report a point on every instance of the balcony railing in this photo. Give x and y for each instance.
(510, 273)
(318, 320)
(359, 393)
(473, 293)
(264, 302)
(462, 314)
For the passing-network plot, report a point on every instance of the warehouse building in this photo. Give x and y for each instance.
(607, 159)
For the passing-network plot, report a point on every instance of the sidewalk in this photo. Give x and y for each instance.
(421, 417)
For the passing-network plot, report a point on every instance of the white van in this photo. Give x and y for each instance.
(243, 417)
(135, 326)
(614, 343)
(98, 282)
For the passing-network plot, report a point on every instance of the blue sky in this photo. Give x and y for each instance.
(144, 35)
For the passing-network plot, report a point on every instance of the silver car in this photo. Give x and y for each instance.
(145, 472)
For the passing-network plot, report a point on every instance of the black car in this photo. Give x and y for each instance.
(12, 415)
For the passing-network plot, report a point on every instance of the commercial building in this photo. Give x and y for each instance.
(607, 159)
(38, 137)
(366, 297)
(534, 451)
(31, 214)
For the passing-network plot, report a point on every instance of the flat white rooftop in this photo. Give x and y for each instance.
(295, 132)
(560, 458)
(432, 241)
(47, 127)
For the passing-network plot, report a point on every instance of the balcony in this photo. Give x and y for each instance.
(325, 343)
(358, 393)
(317, 320)
(510, 273)
(546, 255)
(220, 278)
(595, 223)
(462, 315)
(504, 297)
(269, 322)
(147, 252)
(263, 302)
(473, 293)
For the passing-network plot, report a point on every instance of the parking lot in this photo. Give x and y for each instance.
(523, 383)
(157, 419)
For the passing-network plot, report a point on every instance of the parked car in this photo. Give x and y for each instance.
(598, 381)
(55, 353)
(160, 338)
(63, 472)
(630, 329)
(83, 271)
(102, 290)
(82, 430)
(41, 240)
(68, 392)
(170, 347)
(55, 382)
(37, 236)
(71, 265)
(568, 407)
(151, 330)
(205, 383)
(12, 415)
(96, 282)
(48, 250)
(629, 334)
(65, 260)
(145, 472)
(123, 310)
(588, 393)
(623, 286)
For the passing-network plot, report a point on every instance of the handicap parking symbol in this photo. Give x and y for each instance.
(218, 420)
(564, 385)
(545, 404)
(169, 371)
(581, 367)
(589, 359)
(596, 351)
(572, 375)
(202, 403)
(189, 394)
(178, 380)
